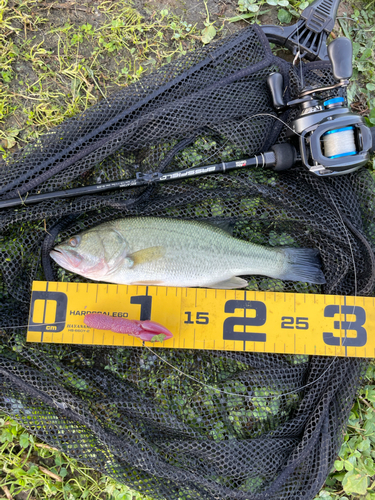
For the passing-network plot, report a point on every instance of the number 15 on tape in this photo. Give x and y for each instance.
(199, 318)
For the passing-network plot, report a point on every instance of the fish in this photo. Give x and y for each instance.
(179, 253)
(148, 331)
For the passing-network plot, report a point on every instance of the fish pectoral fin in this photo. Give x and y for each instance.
(147, 255)
(233, 282)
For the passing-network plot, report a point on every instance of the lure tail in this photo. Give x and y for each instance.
(149, 331)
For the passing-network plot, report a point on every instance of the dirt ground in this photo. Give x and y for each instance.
(60, 58)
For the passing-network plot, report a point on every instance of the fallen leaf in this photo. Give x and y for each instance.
(208, 34)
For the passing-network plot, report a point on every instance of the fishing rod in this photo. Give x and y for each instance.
(326, 137)
(281, 157)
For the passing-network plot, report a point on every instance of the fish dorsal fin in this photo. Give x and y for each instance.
(233, 282)
(224, 225)
(147, 255)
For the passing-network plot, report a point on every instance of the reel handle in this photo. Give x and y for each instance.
(275, 85)
(340, 53)
(372, 149)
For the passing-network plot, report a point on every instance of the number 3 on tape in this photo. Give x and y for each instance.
(359, 314)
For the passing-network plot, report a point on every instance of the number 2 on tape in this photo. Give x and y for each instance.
(259, 320)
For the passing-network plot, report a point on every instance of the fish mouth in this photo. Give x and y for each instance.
(67, 260)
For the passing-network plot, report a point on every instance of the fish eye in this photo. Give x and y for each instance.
(73, 242)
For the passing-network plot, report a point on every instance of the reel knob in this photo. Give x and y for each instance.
(275, 84)
(340, 53)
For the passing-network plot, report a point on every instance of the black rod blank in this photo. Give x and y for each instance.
(140, 180)
(281, 157)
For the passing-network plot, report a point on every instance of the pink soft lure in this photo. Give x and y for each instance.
(148, 331)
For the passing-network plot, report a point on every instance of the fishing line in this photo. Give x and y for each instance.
(252, 396)
(243, 395)
(304, 386)
(351, 251)
(199, 381)
(349, 242)
(355, 272)
(300, 58)
(235, 393)
(280, 120)
(206, 158)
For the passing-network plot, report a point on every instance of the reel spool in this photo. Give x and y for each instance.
(339, 142)
(331, 139)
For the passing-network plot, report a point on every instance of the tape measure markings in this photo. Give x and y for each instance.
(238, 320)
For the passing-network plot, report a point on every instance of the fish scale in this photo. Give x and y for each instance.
(173, 252)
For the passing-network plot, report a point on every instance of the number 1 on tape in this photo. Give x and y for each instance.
(233, 320)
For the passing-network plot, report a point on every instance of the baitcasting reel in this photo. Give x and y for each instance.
(331, 139)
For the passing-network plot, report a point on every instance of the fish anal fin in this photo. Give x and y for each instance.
(147, 255)
(148, 283)
(233, 282)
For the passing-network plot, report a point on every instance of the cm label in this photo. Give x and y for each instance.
(48, 311)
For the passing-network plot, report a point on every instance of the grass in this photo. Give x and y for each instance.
(41, 472)
(52, 68)
(353, 474)
(56, 61)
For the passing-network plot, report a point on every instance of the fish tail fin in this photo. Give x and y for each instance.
(302, 264)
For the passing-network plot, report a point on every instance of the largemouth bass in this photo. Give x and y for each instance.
(171, 252)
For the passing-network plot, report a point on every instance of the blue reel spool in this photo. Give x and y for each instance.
(336, 146)
(339, 142)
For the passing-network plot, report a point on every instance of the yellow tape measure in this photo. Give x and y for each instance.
(230, 320)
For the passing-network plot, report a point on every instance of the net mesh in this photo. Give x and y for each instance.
(183, 424)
